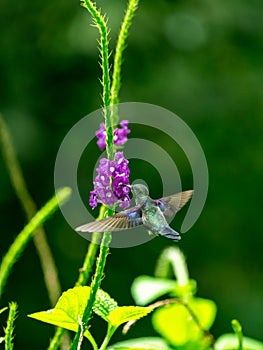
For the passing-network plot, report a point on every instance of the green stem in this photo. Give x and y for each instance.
(174, 257)
(101, 24)
(9, 330)
(84, 275)
(55, 341)
(108, 101)
(3, 309)
(92, 342)
(95, 284)
(110, 332)
(85, 270)
(120, 47)
(26, 234)
(238, 331)
(16, 176)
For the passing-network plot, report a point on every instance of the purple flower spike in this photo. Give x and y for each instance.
(110, 185)
(119, 138)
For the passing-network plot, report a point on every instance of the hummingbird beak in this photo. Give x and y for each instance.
(129, 186)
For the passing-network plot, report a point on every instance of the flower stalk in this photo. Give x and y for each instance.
(120, 47)
(108, 138)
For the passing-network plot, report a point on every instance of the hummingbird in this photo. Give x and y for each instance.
(149, 213)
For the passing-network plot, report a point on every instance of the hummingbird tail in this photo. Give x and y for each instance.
(168, 232)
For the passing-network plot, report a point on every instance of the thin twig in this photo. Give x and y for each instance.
(27, 203)
(81, 333)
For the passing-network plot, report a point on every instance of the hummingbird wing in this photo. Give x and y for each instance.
(123, 220)
(170, 205)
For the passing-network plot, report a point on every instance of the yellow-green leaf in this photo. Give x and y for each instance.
(175, 323)
(124, 314)
(145, 289)
(69, 308)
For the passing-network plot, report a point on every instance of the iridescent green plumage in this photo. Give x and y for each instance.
(148, 212)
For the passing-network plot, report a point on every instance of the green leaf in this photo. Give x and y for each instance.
(104, 304)
(124, 314)
(71, 305)
(74, 301)
(150, 343)
(175, 323)
(2, 339)
(145, 289)
(230, 341)
(68, 310)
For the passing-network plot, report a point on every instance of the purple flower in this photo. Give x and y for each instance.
(101, 136)
(110, 185)
(93, 202)
(119, 137)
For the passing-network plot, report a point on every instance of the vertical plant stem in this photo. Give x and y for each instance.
(9, 330)
(95, 284)
(28, 231)
(238, 331)
(89, 260)
(110, 120)
(120, 47)
(101, 23)
(84, 276)
(45, 256)
(93, 247)
(86, 269)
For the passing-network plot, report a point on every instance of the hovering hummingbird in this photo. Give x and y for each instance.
(148, 212)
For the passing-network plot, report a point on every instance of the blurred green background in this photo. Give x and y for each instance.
(200, 59)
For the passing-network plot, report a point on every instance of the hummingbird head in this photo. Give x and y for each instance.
(140, 193)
